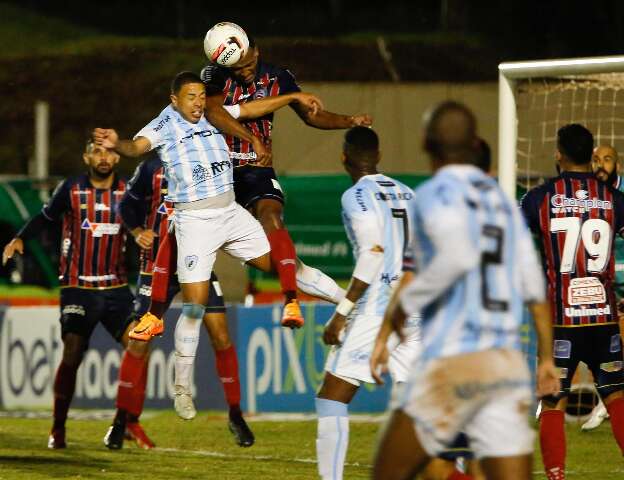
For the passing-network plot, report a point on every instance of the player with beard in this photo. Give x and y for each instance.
(92, 269)
(255, 184)
(605, 163)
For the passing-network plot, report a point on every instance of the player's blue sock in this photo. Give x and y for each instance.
(332, 437)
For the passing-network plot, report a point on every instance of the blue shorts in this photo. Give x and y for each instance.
(256, 183)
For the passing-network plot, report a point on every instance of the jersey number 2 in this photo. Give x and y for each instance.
(492, 258)
(595, 234)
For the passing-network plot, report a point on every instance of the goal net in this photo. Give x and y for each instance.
(535, 99)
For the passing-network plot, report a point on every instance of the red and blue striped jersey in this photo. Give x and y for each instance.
(576, 218)
(270, 81)
(144, 205)
(93, 238)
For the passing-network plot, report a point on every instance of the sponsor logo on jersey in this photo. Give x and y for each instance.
(201, 133)
(97, 278)
(73, 310)
(587, 312)
(586, 291)
(99, 229)
(581, 203)
(393, 196)
(80, 192)
(161, 124)
(101, 207)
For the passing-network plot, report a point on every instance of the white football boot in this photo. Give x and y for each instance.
(599, 413)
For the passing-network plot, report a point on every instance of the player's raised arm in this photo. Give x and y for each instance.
(258, 108)
(109, 138)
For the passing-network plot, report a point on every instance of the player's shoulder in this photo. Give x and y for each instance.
(536, 195)
(356, 198)
(274, 71)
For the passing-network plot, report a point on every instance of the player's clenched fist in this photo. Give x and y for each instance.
(15, 245)
(107, 137)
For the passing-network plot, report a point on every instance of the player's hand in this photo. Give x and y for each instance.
(15, 245)
(331, 334)
(310, 102)
(143, 237)
(106, 137)
(361, 120)
(379, 361)
(548, 382)
(263, 154)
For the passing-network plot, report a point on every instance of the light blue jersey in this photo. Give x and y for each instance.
(475, 265)
(376, 211)
(195, 156)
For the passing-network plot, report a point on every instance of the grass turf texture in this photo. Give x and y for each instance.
(204, 448)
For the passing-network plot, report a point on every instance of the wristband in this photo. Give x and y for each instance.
(344, 307)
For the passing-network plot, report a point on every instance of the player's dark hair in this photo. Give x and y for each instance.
(184, 78)
(451, 133)
(361, 144)
(576, 143)
(484, 156)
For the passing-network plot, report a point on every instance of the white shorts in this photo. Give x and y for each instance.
(350, 360)
(200, 233)
(486, 395)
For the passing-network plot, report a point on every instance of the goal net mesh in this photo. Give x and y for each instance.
(545, 104)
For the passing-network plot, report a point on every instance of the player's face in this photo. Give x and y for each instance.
(101, 161)
(604, 163)
(190, 101)
(245, 70)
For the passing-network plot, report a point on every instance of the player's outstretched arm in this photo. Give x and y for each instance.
(547, 374)
(258, 108)
(108, 138)
(220, 118)
(331, 121)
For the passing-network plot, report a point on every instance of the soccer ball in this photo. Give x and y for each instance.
(225, 44)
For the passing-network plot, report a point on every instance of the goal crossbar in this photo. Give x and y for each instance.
(508, 74)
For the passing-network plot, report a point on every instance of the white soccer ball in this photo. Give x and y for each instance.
(225, 44)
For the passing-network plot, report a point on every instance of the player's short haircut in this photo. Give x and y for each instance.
(576, 143)
(361, 144)
(451, 132)
(484, 156)
(184, 78)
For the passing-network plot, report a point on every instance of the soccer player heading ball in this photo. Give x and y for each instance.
(255, 184)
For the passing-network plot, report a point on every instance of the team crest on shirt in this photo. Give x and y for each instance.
(99, 229)
(260, 93)
(190, 261)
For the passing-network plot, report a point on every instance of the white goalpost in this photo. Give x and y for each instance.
(537, 97)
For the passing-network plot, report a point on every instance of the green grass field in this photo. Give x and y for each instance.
(204, 448)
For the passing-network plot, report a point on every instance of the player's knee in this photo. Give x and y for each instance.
(73, 352)
(193, 310)
(220, 340)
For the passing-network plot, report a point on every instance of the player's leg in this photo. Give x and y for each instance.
(567, 352)
(270, 214)
(226, 361)
(399, 454)
(508, 468)
(247, 241)
(151, 322)
(77, 324)
(312, 281)
(119, 322)
(186, 337)
(332, 437)
(605, 362)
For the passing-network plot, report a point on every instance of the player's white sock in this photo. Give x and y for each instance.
(332, 438)
(186, 343)
(314, 282)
